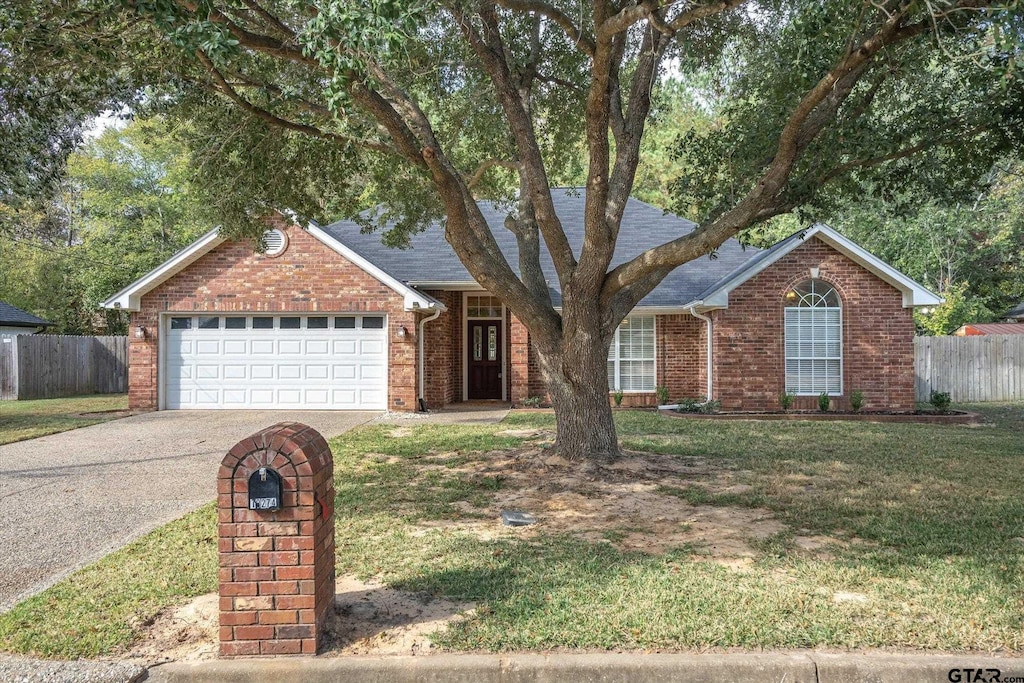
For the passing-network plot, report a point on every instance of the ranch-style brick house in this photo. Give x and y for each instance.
(329, 318)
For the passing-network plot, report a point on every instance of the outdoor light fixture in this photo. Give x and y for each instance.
(140, 332)
(402, 332)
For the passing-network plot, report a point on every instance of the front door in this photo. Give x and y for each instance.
(485, 365)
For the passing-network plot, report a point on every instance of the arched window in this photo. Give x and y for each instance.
(814, 339)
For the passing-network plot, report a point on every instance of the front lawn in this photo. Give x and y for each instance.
(20, 420)
(732, 534)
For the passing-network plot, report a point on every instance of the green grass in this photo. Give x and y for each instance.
(928, 522)
(20, 420)
(98, 610)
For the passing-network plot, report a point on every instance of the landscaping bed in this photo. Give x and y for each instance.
(709, 535)
(953, 417)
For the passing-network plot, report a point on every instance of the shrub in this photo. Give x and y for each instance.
(698, 405)
(662, 392)
(531, 402)
(824, 401)
(786, 400)
(857, 400)
(940, 400)
(617, 398)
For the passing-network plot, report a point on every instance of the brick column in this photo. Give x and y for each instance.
(276, 567)
(519, 352)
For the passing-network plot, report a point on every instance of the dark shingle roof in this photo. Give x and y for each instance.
(15, 317)
(431, 259)
(1016, 312)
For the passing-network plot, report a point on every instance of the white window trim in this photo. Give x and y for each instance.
(786, 357)
(464, 344)
(616, 359)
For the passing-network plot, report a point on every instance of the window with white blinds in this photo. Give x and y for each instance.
(814, 340)
(631, 356)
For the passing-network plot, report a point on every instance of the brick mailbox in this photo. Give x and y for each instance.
(275, 500)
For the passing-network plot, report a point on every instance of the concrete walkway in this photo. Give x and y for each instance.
(800, 667)
(69, 499)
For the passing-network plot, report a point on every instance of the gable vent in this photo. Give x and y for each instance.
(275, 242)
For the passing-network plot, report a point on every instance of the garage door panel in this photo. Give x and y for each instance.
(371, 347)
(238, 347)
(343, 372)
(207, 347)
(236, 397)
(289, 371)
(271, 367)
(235, 371)
(263, 346)
(371, 372)
(320, 347)
(208, 371)
(290, 346)
(317, 398)
(317, 372)
(207, 397)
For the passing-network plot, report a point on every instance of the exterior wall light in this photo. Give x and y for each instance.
(140, 332)
(402, 332)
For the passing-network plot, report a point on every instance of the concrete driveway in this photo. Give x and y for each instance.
(71, 498)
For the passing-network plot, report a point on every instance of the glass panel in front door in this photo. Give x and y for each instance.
(492, 342)
(478, 343)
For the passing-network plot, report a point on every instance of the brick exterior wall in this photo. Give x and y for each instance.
(749, 360)
(878, 334)
(442, 373)
(307, 277)
(276, 575)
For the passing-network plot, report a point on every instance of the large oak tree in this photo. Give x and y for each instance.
(427, 106)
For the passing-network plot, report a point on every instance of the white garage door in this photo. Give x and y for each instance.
(316, 362)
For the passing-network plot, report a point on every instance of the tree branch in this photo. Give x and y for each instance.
(487, 165)
(222, 86)
(800, 129)
(557, 16)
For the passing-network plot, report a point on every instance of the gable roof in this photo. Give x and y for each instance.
(12, 316)
(914, 293)
(431, 263)
(130, 297)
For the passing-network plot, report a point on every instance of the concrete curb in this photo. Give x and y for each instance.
(607, 668)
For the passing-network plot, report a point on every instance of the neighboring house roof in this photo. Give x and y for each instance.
(973, 329)
(914, 293)
(129, 298)
(430, 262)
(12, 316)
(1016, 312)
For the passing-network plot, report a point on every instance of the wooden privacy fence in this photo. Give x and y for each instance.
(50, 366)
(988, 368)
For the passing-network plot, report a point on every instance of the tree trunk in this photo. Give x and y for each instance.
(577, 377)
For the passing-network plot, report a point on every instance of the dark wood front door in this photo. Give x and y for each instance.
(485, 364)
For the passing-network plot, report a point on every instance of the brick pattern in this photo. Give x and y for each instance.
(307, 277)
(276, 568)
(442, 373)
(878, 334)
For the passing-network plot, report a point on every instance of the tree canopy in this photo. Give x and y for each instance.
(124, 206)
(425, 106)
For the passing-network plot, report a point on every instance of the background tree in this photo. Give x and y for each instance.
(125, 205)
(428, 106)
